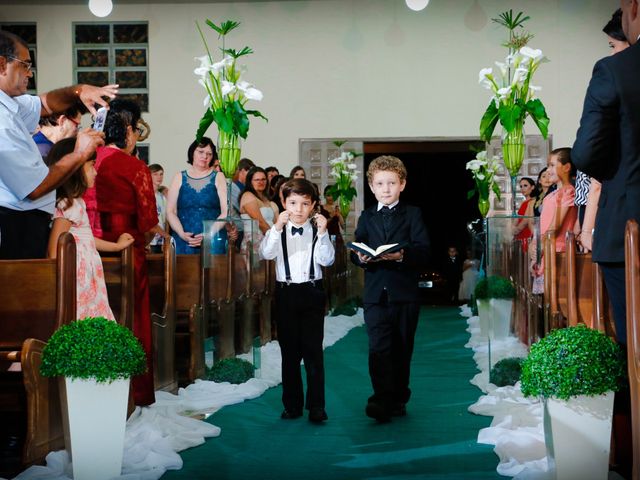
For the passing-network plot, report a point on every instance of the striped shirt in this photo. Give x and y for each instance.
(583, 184)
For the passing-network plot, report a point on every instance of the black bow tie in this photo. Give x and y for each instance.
(387, 210)
(295, 230)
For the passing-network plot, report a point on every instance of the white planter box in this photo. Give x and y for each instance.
(501, 309)
(484, 314)
(578, 436)
(97, 418)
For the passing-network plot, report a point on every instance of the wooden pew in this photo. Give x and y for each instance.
(553, 274)
(632, 274)
(162, 299)
(37, 297)
(190, 325)
(119, 271)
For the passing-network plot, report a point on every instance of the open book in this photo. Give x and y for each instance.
(367, 250)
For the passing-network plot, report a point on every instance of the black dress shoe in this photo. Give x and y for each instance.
(317, 415)
(399, 410)
(378, 411)
(290, 414)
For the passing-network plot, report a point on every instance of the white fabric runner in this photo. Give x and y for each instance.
(516, 430)
(156, 433)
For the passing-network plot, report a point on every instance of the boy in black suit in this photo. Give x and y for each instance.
(301, 248)
(391, 295)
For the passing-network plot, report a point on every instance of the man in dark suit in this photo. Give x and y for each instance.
(391, 294)
(452, 269)
(607, 147)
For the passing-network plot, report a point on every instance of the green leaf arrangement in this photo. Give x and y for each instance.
(573, 361)
(494, 286)
(514, 97)
(93, 348)
(232, 370)
(506, 372)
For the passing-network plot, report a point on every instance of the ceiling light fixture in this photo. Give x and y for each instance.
(417, 5)
(100, 8)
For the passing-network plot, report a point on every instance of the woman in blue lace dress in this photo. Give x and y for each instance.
(196, 194)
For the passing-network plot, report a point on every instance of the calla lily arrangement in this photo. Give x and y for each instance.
(484, 171)
(343, 170)
(227, 94)
(514, 97)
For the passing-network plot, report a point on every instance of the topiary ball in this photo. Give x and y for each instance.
(93, 348)
(573, 361)
(232, 370)
(506, 372)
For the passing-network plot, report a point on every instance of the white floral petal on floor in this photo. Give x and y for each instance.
(156, 433)
(516, 430)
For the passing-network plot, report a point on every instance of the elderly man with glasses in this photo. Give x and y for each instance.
(27, 184)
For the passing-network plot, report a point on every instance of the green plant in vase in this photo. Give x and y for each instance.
(514, 97)
(483, 171)
(227, 96)
(343, 171)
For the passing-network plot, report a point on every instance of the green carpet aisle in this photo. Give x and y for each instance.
(436, 440)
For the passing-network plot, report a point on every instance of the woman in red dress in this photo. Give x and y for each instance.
(126, 203)
(528, 189)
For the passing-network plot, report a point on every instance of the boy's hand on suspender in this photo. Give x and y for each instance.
(283, 219)
(321, 223)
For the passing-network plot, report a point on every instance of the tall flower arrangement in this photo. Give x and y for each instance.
(484, 172)
(343, 170)
(514, 96)
(227, 95)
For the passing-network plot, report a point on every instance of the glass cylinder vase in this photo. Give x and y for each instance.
(483, 206)
(513, 148)
(229, 148)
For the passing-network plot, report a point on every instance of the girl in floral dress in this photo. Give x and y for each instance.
(71, 216)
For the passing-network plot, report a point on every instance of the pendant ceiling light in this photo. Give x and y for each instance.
(100, 8)
(417, 5)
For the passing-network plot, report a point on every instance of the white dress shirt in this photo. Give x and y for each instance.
(381, 205)
(299, 252)
(21, 165)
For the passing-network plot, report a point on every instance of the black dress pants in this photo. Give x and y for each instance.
(23, 234)
(300, 312)
(614, 280)
(391, 328)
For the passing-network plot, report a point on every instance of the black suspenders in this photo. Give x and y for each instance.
(287, 270)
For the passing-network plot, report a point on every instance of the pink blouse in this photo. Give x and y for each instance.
(562, 197)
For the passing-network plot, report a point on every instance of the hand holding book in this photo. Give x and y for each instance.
(393, 251)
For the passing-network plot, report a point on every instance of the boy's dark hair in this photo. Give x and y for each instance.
(271, 169)
(613, 28)
(204, 142)
(71, 112)
(122, 114)
(386, 163)
(156, 167)
(300, 186)
(245, 164)
(76, 184)
(8, 44)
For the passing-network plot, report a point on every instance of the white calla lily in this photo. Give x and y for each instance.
(227, 87)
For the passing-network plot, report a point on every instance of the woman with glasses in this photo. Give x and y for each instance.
(126, 203)
(255, 205)
(196, 194)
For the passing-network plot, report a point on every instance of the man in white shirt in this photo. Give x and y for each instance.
(27, 185)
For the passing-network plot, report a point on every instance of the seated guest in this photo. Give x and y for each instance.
(271, 189)
(255, 205)
(239, 179)
(297, 172)
(157, 176)
(27, 184)
(276, 195)
(331, 211)
(271, 172)
(56, 127)
(196, 194)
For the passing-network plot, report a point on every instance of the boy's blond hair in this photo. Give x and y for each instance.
(386, 163)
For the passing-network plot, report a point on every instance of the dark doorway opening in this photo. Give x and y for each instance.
(438, 183)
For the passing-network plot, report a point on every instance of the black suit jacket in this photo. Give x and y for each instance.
(399, 278)
(607, 147)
